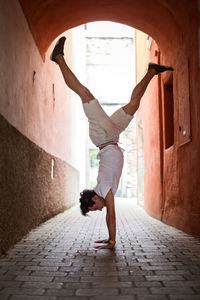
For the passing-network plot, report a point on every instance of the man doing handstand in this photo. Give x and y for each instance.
(104, 132)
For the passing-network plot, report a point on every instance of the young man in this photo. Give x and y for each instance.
(104, 132)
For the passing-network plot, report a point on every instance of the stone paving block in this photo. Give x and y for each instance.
(155, 268)
(111, 273)
(110, 265)
(132, 278)
(45, 260)
(173, 272)
(151, 260)
(77, 285)
(132, 263)
(4, 297)
(48, 274)
(97, 292)
(112, 284)
(192, 277)
(6, 277)
(40, 268)
(80, 273)
(184, 297)
(71, 268)
(2, 271)
(152, 297)
(197, 289)
(99, 279)
(194, 271)
(172, 290)
(24, 259)
(34, 278)
(181, 283)
(164, 278)
(98, 269)
(21, 291)
(72, 298)
(141, 273)
(32, 256)
(14, 273)
(147, 283)
(42, 285)
(134, 291)
(194, 268)
(25, 297)
(169, 263)
(7, 263)
(10, 283)
(67, 279)
(132, 297)
(60, 292)
(26, 263)
(54, 264)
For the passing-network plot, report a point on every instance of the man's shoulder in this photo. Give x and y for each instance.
(102, 188)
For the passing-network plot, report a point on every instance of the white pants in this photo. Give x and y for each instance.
(102, 128)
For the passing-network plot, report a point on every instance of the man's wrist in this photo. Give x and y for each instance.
(112, 242)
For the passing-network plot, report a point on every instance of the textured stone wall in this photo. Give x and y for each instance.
(29, 194)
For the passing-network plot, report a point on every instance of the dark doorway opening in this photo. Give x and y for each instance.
(168, 113)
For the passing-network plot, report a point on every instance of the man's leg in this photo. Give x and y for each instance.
(141, 87)
(70, 79)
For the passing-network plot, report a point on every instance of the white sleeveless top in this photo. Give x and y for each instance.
(110, 169)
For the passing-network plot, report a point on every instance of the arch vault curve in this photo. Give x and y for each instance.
(49, 18)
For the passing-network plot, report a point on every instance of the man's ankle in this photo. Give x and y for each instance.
(152, 71)
(59, 57)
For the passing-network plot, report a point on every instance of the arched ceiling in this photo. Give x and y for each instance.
(49, 18)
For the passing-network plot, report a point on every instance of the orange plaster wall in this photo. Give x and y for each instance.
(48, 118)
(176, 201)
(149, 112)
(182, 188)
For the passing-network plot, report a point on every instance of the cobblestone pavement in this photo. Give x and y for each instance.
(57, 261)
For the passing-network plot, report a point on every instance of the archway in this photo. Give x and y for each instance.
(174, 26)
(26, 102)
(48, 19)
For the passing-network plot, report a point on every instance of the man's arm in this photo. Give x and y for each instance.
(110, 217)
(110, 220)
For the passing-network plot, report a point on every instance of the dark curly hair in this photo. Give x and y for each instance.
(86, 200)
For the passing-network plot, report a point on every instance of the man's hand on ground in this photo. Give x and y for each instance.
(102, 241)
(109, 246)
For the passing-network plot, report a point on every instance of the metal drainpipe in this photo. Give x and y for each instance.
(161, 138)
